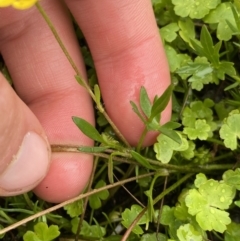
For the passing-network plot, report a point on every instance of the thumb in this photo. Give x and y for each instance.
(24, 149)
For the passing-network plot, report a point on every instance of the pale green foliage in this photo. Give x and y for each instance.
(200, 130)
(230, 130)
(187, 29)
(232, 178)
(95, 199)
(189, 153)
(198, 120)
(202, 155)
(169, 220)
(167, 215)
(220, 16)
(94, 231)
(188, 233)
(129, 216)
(181, 211)
(175, 60)
(164, 147)
(233, 232)
(200, 73)
(74, 209)
(154, 237)
(208, 201)
(168, 32)
(194, 8)
(42, 233)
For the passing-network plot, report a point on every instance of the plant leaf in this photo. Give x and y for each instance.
(97, 94)
(87, 129)
(140, 159)
(161, 103)
(74, 209)
(136, 110)
(80, 80)
(145, 103)
(129, 215)
(95, 200)
(42, 233)
(171, 134)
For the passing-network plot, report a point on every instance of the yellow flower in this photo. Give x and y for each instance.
(18, 4)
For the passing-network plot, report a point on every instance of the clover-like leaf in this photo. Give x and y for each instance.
(167, 215)
(221, 16)
(232, 178)
(230, 130)
(95, 199)
(217, 194)
(93, 231)
(168, 32)
(165, 146)
(200, 72)
(194, 8)
(208, 203)
(203, 109)
(129, 216)
(200, 179)
(187, 232)
(42, 233)
(187, 29)
(189, 152)
(175, 59)
(74, 209)
(200, 131)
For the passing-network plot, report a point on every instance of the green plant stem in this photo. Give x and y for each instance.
(139, 145)
(86, 199)
(72, 63)
(223, 156)
(171, 188)
(216, 141)
(128, 159)
(157, 199)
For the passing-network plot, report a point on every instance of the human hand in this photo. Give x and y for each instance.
(127, 52)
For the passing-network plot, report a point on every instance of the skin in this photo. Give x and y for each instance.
(127, 52)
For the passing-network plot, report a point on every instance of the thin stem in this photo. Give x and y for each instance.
(142, 139)
(216, 141)
(223, 156)
(28, 201)
(86, 85)
(62, 46)
(128, 159)
(157, 199)
(160, 208)
(81, 196)
(86, 199)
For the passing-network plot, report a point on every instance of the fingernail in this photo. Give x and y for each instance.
(29, 166)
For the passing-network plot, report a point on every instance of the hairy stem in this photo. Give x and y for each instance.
(85, 84)
(128, 159)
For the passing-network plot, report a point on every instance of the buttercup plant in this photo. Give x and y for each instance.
(187, 184)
